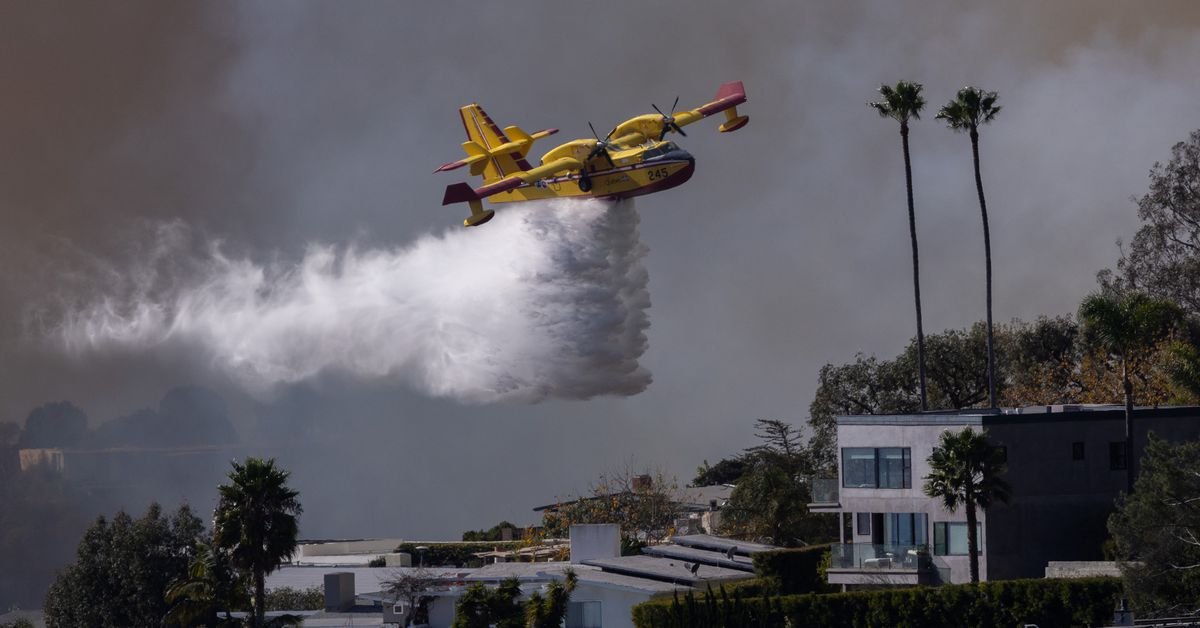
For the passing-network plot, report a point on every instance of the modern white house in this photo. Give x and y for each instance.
(1066, 466)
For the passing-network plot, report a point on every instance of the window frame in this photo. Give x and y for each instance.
(941, 537)
(868, 471)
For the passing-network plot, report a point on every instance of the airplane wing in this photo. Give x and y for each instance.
(655, 126)
(729, 96)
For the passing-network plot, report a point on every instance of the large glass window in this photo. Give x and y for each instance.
(858, 467)
(950, 538)
(905, 528)
(872, 467)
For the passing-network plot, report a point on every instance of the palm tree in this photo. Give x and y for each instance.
(255, 521)
(902, 103)
(965, 470)
(1124, 326)
(208, 588)
(970, 108)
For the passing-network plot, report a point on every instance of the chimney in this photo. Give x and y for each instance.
(642, 483)
(339, 591)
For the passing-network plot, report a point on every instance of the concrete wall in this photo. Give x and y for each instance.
(595, 540)
(1060, 506)
(338, 548)
(616, 605)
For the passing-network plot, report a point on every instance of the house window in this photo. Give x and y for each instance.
(864, 523)
(583, 615)
(1077, 451)
(874, 467)
(950, 538)
(1116, 456)
(905, 528)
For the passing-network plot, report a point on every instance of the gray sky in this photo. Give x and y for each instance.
(272, 126)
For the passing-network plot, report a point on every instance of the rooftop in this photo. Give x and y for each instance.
(1028, 414)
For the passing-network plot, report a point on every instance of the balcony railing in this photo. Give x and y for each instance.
(824, 490)
(866, 557)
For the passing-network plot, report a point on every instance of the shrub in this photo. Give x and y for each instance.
(790, 571)
(1000, 603)
(289, 599)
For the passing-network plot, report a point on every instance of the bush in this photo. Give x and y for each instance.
(791, 571)
(289, 599)
(454, 554)
(1002, 603)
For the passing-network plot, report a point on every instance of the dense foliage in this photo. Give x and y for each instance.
(500, 607)
(123, 570)
(1157, 528)
(289, 599)
(642, 504)
(1085, 601)
(495, 533)
(796, 570)
(1163, 258)
(1047, 361)
(770, 501)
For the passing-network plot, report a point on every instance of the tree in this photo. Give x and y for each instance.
(866, 386)
(58, 424)
(550, 611)
(771, 498)
(123, 570)
(410, 587)
(256, 522)
(495, 533)
(1156, 531)
(965, 470)
(210, 586)
(902, 103)
(1163, 258)
(642, 504)
(726, 471)
(481, 606)
(1125, 327)
(971, 108)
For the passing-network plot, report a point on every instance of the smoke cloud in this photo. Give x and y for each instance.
(549, 300)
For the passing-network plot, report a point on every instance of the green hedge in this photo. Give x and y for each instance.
(791, 571)
(1084, 601)
(454, 554)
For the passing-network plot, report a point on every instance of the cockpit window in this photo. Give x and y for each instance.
(659, 150)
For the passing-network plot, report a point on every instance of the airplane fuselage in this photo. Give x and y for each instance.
(628, 176)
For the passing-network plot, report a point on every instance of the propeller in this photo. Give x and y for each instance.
(668, 121)
(601, 146)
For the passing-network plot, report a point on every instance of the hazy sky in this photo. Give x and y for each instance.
(272, 127)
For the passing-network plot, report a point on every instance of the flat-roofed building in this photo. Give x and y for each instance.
(1066, 466)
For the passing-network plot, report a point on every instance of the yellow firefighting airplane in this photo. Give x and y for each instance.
(633, 159)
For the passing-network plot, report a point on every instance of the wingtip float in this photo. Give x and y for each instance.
(634, 159)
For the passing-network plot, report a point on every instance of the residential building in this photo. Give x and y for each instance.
(1066, 467)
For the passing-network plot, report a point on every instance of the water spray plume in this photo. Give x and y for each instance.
(550, 302)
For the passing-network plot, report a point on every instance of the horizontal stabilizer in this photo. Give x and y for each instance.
(459, 193)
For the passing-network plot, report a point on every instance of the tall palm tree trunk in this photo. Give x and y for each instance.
(260, 599)
(1128, 386)
(972, 541)
(987, 253)
(912, 234)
